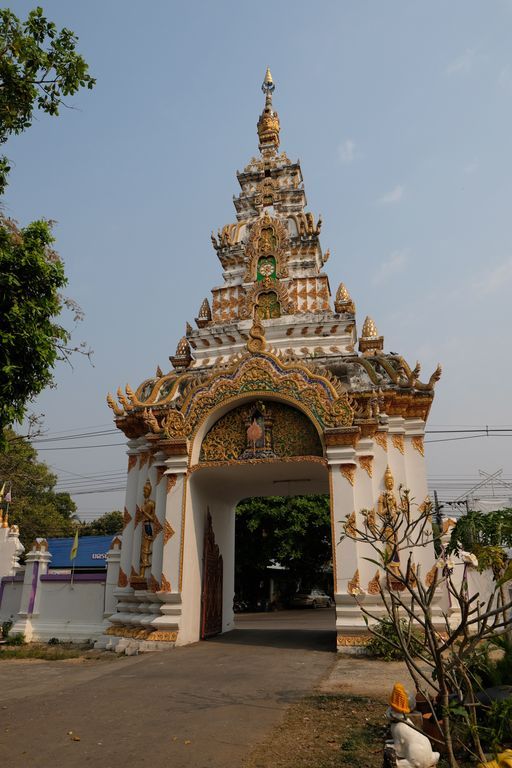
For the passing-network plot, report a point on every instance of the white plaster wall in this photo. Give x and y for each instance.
(195, 520)
(365, 496)
(69, 612)
(11, 600)
(173, 512)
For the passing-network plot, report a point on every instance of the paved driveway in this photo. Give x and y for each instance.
(201, 706)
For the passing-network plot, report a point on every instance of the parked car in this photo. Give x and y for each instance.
(316, 598)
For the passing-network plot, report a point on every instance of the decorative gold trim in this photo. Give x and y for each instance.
(122, 580)
(166, 584)
(171, 482)
(139, 515)
(349, 472)
(354, 585)
(143, 458)
(352, 640)
(374, 587)
(242, 462)
(398, 442)
(381, 439)
(417, 444)
(168, 532)
(162, 636)
(154, 586)
(160, 472)
(350, 525)
(256, 341)
(126, 518)
(135, 633)
(366, 463)
(132, 461)
(431, 576)
(412, 581)
(253, 251)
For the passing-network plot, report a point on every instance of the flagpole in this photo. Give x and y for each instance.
(74, 551)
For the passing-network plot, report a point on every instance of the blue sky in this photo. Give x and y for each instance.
(400, 113)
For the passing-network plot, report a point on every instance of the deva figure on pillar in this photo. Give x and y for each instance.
(149, 521)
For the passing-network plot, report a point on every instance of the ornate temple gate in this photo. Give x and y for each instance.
(268, 388)
(211, 593)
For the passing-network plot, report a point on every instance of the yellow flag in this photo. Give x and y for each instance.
(74, 548)
(2, 491)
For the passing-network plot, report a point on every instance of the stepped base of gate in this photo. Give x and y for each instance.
(144, 621)
(352, 634)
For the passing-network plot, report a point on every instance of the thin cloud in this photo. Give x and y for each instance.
(347, 151)
(463, 64)
(498, 278)
(471, 167)
(393, 265)
(394, 196)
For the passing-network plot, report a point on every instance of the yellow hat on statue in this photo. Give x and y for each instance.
(399, 700)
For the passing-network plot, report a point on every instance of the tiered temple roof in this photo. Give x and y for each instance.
(273, 274)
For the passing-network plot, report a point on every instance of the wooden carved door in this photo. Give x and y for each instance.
(211, 603)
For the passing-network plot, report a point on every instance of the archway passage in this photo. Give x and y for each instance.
(283, 554)
(220, 488)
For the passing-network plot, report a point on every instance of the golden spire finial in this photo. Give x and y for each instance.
(343, 301)
(268, 124)
(370, 342)
(369, 329)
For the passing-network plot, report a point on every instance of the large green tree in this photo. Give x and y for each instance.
(292, 531)
(108, 524)
(36, 507)
(31, 276)
(39, 67)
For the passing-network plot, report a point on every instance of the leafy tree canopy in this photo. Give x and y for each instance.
(31, 275)
(293, 531)
(39, 66)
(36, 507)
(107, 525)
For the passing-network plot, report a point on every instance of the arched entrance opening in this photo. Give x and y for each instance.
(258, 448)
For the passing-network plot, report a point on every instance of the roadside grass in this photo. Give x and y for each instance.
(326, 731)
(57, 652)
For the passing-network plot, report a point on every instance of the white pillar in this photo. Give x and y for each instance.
(36, 565)
(113, 564)
(129, 520)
